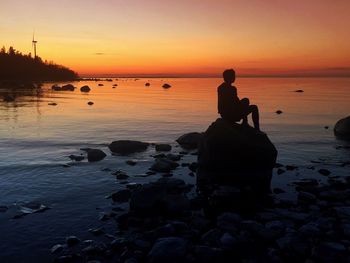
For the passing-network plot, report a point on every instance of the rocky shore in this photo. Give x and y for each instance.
(168, 220)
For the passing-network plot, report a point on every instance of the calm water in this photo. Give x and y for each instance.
(36, 140)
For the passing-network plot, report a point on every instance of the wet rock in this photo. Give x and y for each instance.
(307, 197)
(100, 85)
(52, 104)
(173, 157)
(329, 252)
(56, 248)
(280, 171)
(3, 208)
(299, 90)
(95, 155)
(342, 129)
(125, 147)
(147, 84)
(324, 172)
(72, 241)
(277, 190)
(76, 158)
(193, 166)
(170, 249)
(190, 140)
(343, 212)
(121, 196)
(291, 167)
(163, 147)
(164, 165)
(279, 112)
(131, 162)
(120, 175)
(96, 231)
(90, 103)
(232, 154)
(85, 88)
(68, 87)
(166, 86)
(9, 98)
(306, 182)
(228, 241)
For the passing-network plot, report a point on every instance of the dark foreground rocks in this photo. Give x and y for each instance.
(342, 128)
(190, 140)
(95, 155)
(125, 147)
(236, 155)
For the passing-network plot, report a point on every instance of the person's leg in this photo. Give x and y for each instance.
(245, 107)
(253, 109)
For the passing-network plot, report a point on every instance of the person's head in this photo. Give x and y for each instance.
(229, 76)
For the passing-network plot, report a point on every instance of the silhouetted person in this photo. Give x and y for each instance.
(230, 107)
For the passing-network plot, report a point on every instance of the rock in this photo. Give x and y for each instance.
(190, 140)
(306, 182)
(164, 165)
(9, 98)
(72, 241)
(96, 231)
(343, 212)
(100, 85)
(280, 171)
(3, 208)
(76, 158)
(52, 104)
(95, 155)
(120, 175)
(169, 249)
(299, 90)
(173, 157)
(90, 103)
(277, 190)
(324, 172)
(279, 112)
(329, 252)
(306, 197)
(291, 167)
(56, 248)
(55, 87)
(85, 88)
(310, 230)
(68, 87)
(235, 155)
(166, 86)
(121, 196)
(228, 241)
(163, 147)
(131, 162)
(342, 128)
(147, 84)
(125, 147)
(193, 166)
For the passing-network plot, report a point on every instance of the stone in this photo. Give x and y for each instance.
(190, 140)
(299, 90)
(85, 88)
(342, 128)
(329, 252)
(72, 241)
(52, 104)
(166, 86)
(232, 154)
(169, 249)
(90, 103)
(56, 248)
(343, 212)
(147, 84)
(120, 175)
(68, 87)
(164, 165)
(228, 241)
(324, 172)
(76, 158)
(131, 162)
(125, 147)
(279, 112)
(95, 155)
(121, 196)
(163, 147)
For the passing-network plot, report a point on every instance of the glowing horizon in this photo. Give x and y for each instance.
(188, 38)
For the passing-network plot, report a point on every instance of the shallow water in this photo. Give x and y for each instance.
(36, 140)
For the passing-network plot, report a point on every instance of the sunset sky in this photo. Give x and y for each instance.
(183, 37)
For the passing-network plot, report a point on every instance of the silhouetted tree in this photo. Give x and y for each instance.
(16, 66)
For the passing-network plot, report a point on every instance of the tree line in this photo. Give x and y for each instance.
(17, 66)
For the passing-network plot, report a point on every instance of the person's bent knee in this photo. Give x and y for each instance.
(245, 101)
(254, 108)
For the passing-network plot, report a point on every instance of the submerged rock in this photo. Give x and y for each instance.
(95, 155)
(166, 86)
(85, 88)
(236, 155)
(342, 128)
(190, 140)
(125, 147)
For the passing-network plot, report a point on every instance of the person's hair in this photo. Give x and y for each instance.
(229, 74)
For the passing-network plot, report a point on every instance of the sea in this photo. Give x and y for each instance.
(36, 139)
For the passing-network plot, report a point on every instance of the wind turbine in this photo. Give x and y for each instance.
(34, 45)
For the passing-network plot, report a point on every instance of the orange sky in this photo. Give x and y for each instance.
(184, 37)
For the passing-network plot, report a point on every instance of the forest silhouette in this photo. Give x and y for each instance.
(17, 66)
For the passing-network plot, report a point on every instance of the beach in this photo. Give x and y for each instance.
(36, 139)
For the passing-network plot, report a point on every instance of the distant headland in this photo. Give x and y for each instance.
(15, 66)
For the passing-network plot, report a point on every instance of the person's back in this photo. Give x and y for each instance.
(230, 107)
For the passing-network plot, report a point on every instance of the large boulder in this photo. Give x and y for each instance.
(342, 128)
(232, 154)
(125, 147)
(190, 140)
(95, 155)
